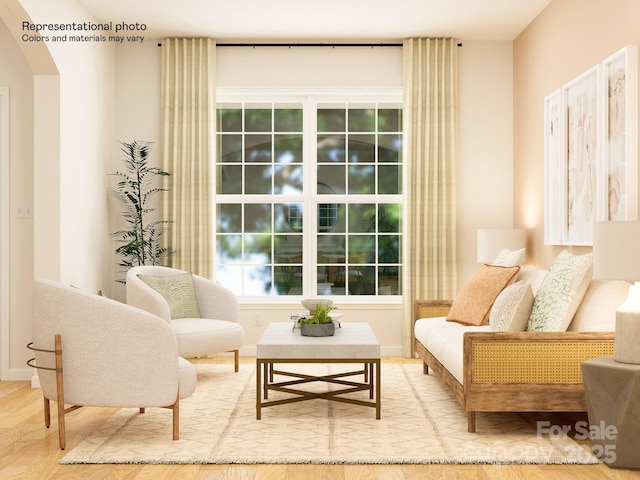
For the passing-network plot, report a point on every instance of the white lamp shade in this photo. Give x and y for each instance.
(616, 250)
(492, 241)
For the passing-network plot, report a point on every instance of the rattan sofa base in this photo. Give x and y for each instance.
(517, 372)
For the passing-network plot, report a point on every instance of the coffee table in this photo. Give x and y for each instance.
(352, 343)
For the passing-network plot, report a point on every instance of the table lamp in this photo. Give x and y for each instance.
(616, 256)
(492, 240)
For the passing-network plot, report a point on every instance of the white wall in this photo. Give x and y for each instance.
(63, 119)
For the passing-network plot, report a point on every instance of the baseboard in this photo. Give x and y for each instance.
(19, 374)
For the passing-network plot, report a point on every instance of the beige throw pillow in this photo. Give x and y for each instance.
(473, 304)
(178, 291)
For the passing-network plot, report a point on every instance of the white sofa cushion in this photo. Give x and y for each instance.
(561, 292)
(510, 311)
(198, 337)
(597, 311)
(445, 341)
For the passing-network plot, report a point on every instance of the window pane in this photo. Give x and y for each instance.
(389, 249)
(331, 119)
(257, 249)
(228, 249)
(331, 249)
(229, 148)
(287, 179)
(362, 217)
(362, 148)
(258, 179)
(257, 120)
(390, 120)
(257, 280)
(288, 148)
(389, 180)
(389, 217)
(230, 119)
(229, 218)
(287, 120)
(362, 249)
(389, 281)
(257, 218)
(331, 148)
(229, 179)
(288, 218)
(389, 148)
(362, 179)
(257, 148)
(331, 179)
(362, 119)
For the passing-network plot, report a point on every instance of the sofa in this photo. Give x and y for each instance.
(525, 367)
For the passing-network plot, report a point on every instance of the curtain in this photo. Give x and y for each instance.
(430, 118)
(188, 136)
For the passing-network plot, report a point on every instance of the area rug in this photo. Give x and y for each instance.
(420, 423)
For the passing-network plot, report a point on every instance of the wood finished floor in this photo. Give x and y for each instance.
(28, 450)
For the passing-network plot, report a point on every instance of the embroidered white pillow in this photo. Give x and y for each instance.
(511, 310)
(508, 258)
(561, 292)
(178, 291)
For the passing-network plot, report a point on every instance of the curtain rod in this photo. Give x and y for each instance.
(291, 45)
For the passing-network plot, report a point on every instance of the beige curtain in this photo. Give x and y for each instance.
(188, 139)
(430, 120)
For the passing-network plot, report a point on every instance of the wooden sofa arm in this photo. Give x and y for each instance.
(531, 357)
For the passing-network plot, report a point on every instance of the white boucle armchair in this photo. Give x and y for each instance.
(93, 351)
(215, 330)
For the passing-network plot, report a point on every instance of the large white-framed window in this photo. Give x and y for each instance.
(309, 194)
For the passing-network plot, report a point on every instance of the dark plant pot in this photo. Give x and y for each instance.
(318, 329)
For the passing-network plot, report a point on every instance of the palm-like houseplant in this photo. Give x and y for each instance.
(137, 185)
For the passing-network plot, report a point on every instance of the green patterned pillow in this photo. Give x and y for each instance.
(560, 293)
(178, 291)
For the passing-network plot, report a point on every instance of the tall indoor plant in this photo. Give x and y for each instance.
(137, 185)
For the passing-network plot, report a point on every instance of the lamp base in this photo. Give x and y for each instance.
(627, 342)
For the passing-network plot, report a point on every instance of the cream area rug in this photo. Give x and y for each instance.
(421, 422)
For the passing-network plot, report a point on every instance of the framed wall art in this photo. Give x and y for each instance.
(619, 175)
(591, 150)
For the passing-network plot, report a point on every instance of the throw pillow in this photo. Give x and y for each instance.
(561, 292)
(508, 258)
(473, 304)
(178, 291)
(511, 310)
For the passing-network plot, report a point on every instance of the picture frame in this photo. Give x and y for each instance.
(619, 165)
(581, 98)
(554, 168)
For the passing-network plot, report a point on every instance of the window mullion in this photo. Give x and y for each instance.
(310, 259)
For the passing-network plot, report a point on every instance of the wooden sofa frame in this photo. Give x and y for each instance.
(516, 371)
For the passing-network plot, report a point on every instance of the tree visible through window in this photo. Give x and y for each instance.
(308, 198)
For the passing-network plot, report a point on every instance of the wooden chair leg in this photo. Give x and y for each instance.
(60, 393)
(425, 368)
(142, 410)
(176, 419)
(47, 412)
(236, 360)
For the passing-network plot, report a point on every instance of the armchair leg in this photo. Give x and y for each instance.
(47, 412)
(60, 393)
(236, 360)
(176, 420)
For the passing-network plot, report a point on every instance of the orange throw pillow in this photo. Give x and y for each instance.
(473, 304)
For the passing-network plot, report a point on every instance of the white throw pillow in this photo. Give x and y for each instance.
(508, 258)
(561, 292)
(511, 310)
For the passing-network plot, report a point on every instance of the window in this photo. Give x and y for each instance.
(309, 196)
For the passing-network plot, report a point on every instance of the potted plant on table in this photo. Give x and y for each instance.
(319, 323)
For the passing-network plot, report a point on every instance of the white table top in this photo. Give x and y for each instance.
(354, 340)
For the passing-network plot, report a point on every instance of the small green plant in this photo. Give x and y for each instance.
(140, 242)
(321, 315)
